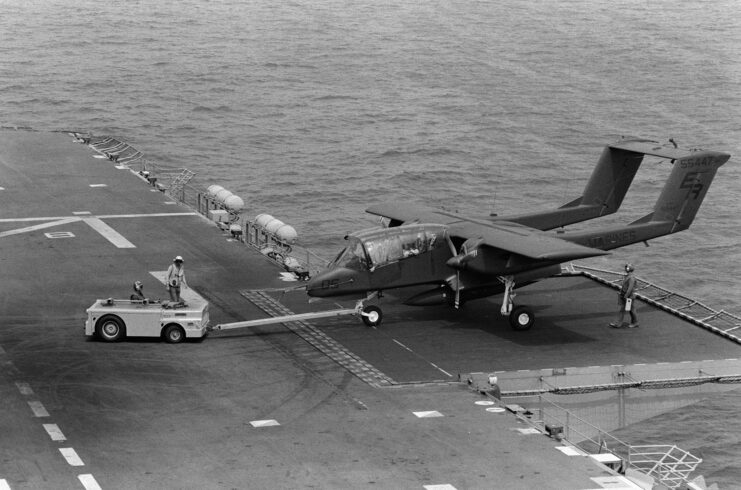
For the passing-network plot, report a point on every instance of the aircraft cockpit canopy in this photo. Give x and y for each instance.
(372, 248)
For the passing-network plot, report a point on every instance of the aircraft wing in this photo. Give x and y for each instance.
(413, 213)
(523, 240)
(504, 235)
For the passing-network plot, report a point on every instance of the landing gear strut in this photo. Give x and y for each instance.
(520, 317)
(371, 314)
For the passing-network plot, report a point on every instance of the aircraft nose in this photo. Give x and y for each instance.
(331, 282)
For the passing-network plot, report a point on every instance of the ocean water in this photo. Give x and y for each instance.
(311, 110)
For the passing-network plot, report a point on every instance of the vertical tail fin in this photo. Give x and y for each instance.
(677, 205)
(602, 195)
(685, 189)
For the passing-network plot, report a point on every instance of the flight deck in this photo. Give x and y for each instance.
(327, 403)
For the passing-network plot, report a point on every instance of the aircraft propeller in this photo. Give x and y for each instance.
(468, 252)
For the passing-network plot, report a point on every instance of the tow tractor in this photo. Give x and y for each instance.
(113, 319)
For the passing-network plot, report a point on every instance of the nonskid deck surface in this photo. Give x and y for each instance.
(264, 408)
(415, 344)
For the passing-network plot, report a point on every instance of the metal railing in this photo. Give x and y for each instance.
(170, 180)
(668, 464)
(719, 322)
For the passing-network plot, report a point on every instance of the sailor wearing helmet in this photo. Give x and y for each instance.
(138, 294)
(626, 299)
(175, 279)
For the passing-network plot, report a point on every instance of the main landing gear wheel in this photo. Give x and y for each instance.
(174, 334)
(110, 328)
(372, 315)
(521, 318)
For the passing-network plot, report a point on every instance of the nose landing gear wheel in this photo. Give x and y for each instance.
(372, 315)
(521, 318)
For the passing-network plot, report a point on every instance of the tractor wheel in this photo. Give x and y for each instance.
(110, 328)
(174, 334)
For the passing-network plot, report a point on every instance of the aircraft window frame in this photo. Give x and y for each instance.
(396, 244)
(353, 256)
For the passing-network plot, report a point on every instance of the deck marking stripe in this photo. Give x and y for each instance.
(264, 423)
(402, 345)
(441, 370)
(38, 409)
(4, 485)
(428, 414)
(24, 388)
(54, 432)
(42, 226)
(443, 486)
(88, 481)
(71, 456)
(108, 233)
(78, 213)
(98, 185)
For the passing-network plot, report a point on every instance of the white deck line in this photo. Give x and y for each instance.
(108, 233)
(38, 409)
(71, 456)
(54, 432)
(88, 481)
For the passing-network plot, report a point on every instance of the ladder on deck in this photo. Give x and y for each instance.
(180, 180)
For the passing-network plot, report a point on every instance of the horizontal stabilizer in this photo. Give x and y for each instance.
(653, 148)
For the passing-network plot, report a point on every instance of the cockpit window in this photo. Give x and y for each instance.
(352, 257)
(402, 242)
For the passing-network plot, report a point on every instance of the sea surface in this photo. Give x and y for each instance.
(312, 110)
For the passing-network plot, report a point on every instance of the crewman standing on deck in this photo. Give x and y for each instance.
(175, 279)
(626, 300)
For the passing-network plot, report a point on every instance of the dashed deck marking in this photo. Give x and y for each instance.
(429, 362)
(88, 481)
(98, 185)
(80, 213)
(444, 486)
(38, 409)
(108, 233)
(428, 414)
(54, 432)
(264, 423)
(24, 388)
(71, 456)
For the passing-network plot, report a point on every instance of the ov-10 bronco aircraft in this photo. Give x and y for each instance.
(469, 258)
